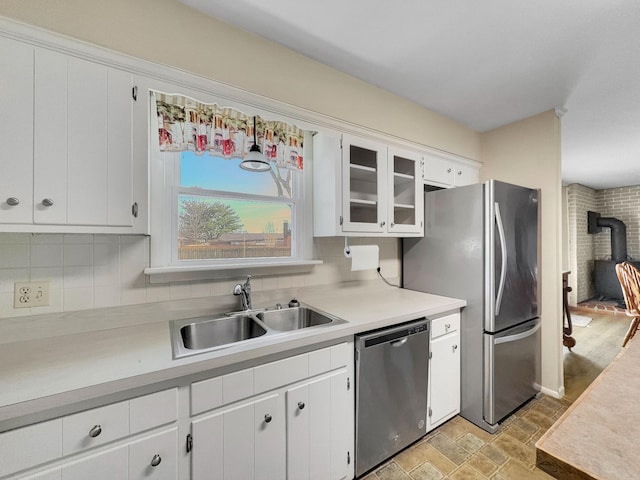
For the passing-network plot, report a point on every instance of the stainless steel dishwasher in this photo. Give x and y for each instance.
(391, 391)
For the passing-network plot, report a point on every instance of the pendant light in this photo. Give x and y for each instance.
(254, 161)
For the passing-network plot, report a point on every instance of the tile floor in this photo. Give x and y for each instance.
(458, 450)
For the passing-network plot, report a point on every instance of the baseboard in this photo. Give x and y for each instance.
(553, 393)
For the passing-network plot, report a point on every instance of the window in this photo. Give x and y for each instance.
(224, 212)
(206, 210)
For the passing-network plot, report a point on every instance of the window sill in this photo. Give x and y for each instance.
(211, 272)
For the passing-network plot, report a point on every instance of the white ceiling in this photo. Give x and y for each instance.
(483, 63)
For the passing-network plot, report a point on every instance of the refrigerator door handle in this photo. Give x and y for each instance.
(503, 250)
(518, 336)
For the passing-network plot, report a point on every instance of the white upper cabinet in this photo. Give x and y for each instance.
(365, 188)
(16, 132)
(447, 171)
(364, 192)
(68, 163)
(405, 205)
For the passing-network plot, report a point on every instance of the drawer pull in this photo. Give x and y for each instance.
(95, 431)
(268, 418)
(155, 461)
(13, 201)
(47, 202)
(301, 405)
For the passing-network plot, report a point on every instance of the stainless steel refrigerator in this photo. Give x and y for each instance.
(481, 244)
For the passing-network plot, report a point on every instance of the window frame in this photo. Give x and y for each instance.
(164, 187)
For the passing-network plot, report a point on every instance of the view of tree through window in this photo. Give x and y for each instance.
(225, 212)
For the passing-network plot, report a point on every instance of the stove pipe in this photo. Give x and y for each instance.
(618, 234)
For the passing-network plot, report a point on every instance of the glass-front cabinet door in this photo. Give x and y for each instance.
(364, 171)
(405, 206)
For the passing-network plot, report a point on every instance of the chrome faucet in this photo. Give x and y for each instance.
(244, 290)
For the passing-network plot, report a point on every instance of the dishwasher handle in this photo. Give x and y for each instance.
(399, 343)
(396, 336)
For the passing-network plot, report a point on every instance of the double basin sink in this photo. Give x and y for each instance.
(204, 334)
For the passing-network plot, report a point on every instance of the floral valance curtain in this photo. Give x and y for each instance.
(185, 124)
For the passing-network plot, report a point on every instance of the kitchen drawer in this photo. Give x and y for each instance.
(340, 355)
(215, 392)
(330, 358)
(17, 450)
(319, 361)
(153, 410)
(155, 457)
(218, 391)
(112, 464)
(443, 325)
(95, 427)
(283, 372)
(206, 395)
(238, 385)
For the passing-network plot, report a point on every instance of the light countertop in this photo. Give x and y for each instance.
(49, 361)
(596, 438)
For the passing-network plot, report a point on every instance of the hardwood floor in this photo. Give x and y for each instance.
(458, 450)
(596, 345)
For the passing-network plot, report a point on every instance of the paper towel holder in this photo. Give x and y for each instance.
(347, 251)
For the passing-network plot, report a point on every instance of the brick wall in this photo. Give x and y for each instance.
(622, 203)
(580, 199)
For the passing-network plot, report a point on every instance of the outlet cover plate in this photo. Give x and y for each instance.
(30, 294)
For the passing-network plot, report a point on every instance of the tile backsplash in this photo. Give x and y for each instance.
(93, 271)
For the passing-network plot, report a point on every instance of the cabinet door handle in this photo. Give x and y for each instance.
(448, 170)
(268, 418)
(382, 224)
(459, 172)
(95, 431)
(47, 202)
(447, 326)
(454, 348)
(301, 405)
(155, 461)
(13, 201)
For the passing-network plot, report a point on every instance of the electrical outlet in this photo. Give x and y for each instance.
(31, 294)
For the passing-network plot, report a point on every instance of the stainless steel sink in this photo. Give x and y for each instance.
(219, 331)
(204, 334)
(294, 318)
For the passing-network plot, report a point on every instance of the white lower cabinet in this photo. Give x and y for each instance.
(108, 465)
(444, 370)
(243, 442)
(294, 421)
(288, 419)
(131, 440)
(317, 429)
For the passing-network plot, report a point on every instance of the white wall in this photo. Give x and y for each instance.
(528, 153)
